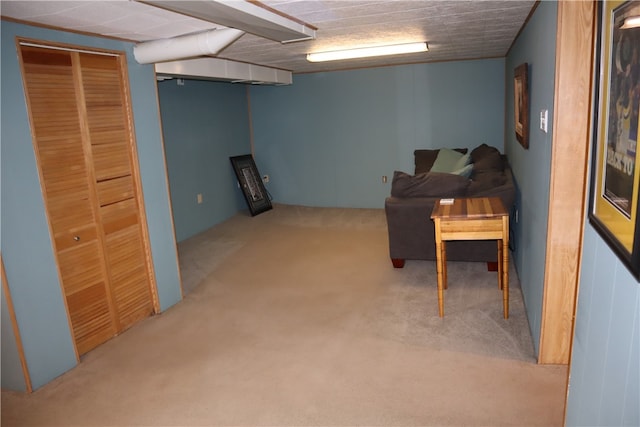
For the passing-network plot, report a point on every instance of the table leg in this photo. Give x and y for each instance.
(445, 278)
(439, 268)
(505, 266)
(500, 264)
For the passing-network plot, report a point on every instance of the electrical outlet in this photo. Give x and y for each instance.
(199, 198)
(384, 179)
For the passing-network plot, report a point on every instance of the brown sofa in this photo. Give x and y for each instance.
(408, 209)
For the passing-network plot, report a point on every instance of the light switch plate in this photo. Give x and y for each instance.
(544, 120)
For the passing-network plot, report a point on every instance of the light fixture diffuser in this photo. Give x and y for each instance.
(366, 52)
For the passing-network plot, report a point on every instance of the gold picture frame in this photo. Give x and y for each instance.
(613, 197)
(521, 103)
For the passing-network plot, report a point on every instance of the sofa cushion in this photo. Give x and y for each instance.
(429, 184)
(481, 151)
(464, 171)
(464, 160)
(486, 180)
(485, 158)
(424, 159)
(446, 161)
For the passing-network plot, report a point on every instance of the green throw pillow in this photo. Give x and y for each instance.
(446, 161)
(464, 161)
(464, 171)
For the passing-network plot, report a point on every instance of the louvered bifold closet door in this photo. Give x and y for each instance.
(58, 135)
(109, 133)
(80, 114)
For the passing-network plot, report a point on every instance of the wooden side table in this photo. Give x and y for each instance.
(482, 218)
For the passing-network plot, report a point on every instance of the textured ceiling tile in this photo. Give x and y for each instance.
(98, 12)
(454, 29)
(31, 9)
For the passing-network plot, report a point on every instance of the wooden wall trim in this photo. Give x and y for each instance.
(569, 156)
(16, 330)
(66, 30)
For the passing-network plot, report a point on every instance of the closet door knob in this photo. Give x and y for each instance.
(76, 238)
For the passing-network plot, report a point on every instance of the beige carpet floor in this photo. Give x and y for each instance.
(296, 317)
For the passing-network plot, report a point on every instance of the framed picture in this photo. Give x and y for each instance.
(521, 103)
(613, 198)
(251, 184)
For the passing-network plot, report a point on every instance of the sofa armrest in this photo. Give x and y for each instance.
(506, 191)
(411, 230)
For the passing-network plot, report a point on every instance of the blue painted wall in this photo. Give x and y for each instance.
(604, 382)
(204, 123)
(26, 245)
(536, 46)
(12, 376)
(328, 139)
(604, 379)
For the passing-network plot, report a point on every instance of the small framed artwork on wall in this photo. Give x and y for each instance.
(251, 184)
(521, 103)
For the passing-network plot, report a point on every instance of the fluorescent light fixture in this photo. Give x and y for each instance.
(631, 22)
(366, 52)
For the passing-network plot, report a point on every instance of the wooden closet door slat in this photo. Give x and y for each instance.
(128, 275)
(111, 161)
(115, 190)
(91, 320)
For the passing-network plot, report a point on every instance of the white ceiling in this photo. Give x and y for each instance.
(454, 30)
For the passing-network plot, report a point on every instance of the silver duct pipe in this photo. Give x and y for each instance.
(189, 46)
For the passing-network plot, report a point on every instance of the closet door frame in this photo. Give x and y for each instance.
(135, 165)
